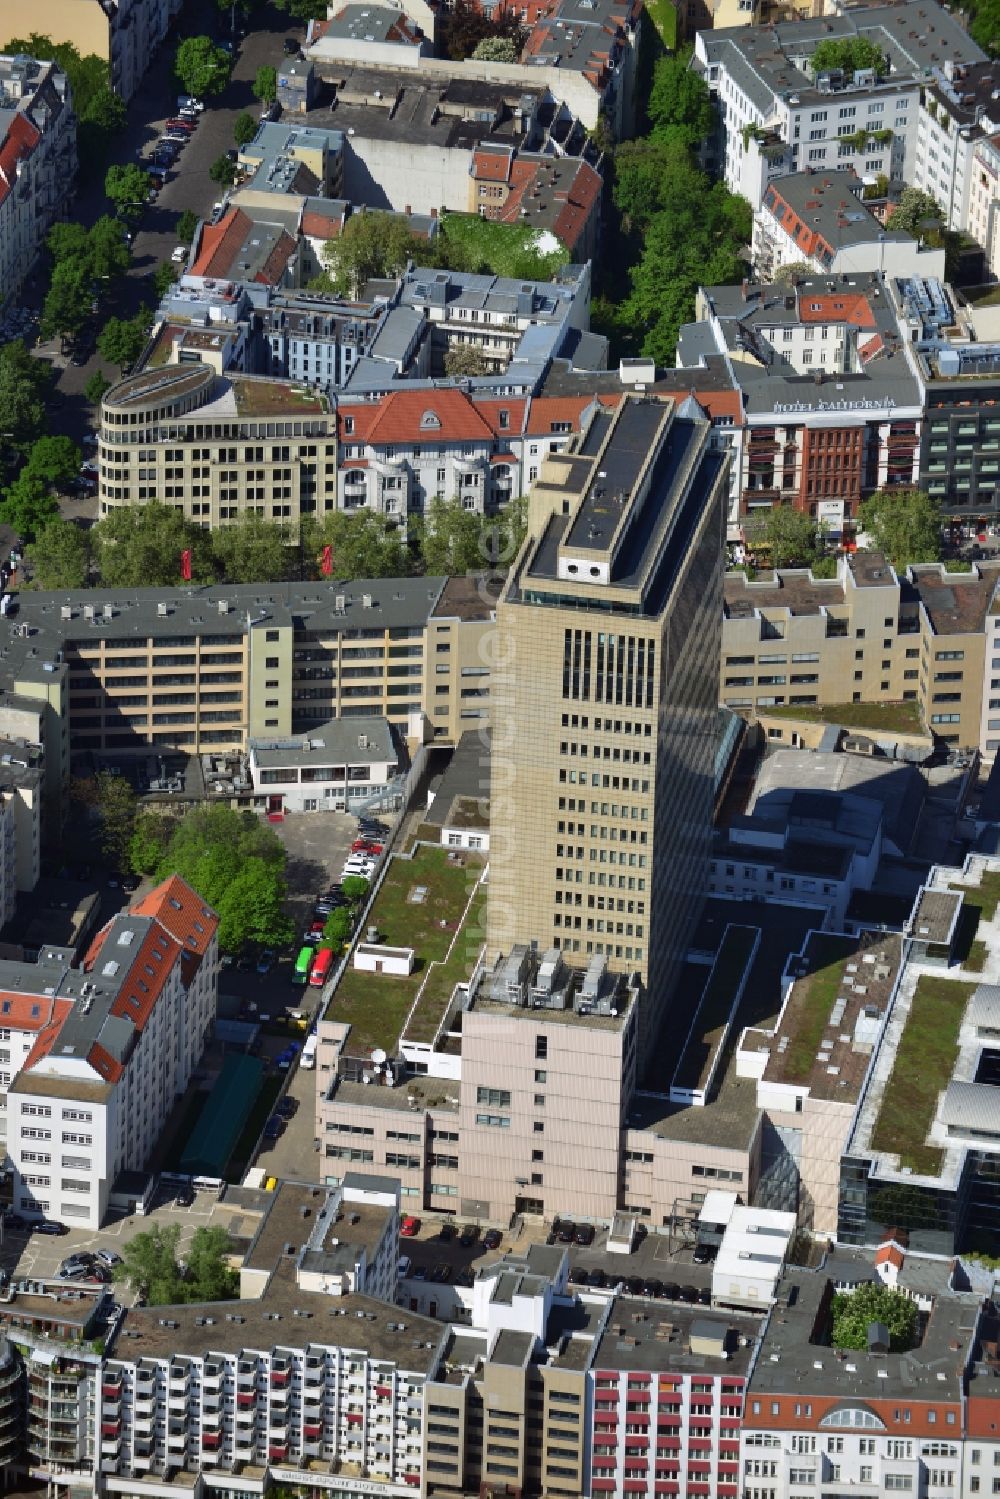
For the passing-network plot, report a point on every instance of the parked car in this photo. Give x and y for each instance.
(578, 1275)
(597, 1278)
(688, 1293)
(409, 1227)
(273, 1127)
(286, 1107)
(290, 47)
(184, 1197)
(584, 1234)
(704, 1254)
(469, 1235)
(419, 1272)
(492, 1239)
(441, 1274)
(633, 1285)
(266, 960)
(185, 101)
(109, 1257)
(565, 1232)
(652, 1287)
(671, 1290)
(188, 126)
(72, 1272)
(447, 1232)
(47, 1226)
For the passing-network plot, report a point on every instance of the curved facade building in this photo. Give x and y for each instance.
(11, 1411)
(217, 447)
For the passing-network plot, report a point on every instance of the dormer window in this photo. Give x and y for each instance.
(430, 422)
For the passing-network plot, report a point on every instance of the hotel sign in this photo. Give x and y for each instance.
(782, 408)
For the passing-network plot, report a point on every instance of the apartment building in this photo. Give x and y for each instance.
(958, 108)
(37, 161)
(561, 195)
(866, 636)
(209, 668)
(984, 200)
(875, 1419)
(21, 779)
(219, 447)
(627, 523)
(832, 404)
(763, 82)
(99, 1055)
(125, 34)
(820, 219)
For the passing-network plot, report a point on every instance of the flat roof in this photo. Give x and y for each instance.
(710, 1026)
(646, 1335)
(935, 915)
(341, 741)
(956, 603)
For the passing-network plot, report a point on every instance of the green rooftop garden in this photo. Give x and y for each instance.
(812, 1001)
(514, 250)
(984, 897)
(716, 1003)
(889, 718)
(377, 1004)
(443, 977)
(925, 1061)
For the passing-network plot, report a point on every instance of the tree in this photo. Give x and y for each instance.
(244, 128)
(464, 27)
(122, 340)
(149, 1265)
(187, 224)
(265, 85)
(372, 245)
(24, 385)
(985, 26)
(68, 241)
(252, 550)
(96, 387)
(202, 67)
(789, 536)
(854, 1311)
(849, 53)
(140, 546)
(126, 186)
(105, 110)
(364, 545)
(904, 524)
(303, 10)
(465, 359)
(27, 506)
(208, 1277)
(223, 171)
(338, 927)
(115, 801)
(452, 539)
(787, 273)
(60, 555)
(150, 836)
(355, 888)
(914, 211)
(164, 278)
(67, 302)
(108, 253)
(496, 49)
(679, 99)
(54, 460)
(236, 864)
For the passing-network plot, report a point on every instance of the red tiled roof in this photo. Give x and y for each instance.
(452, 417)
(363, 417)
(493, 165)
(545, 410)
(220, 242)
(841, 307)
(21, 139)
(490, 411)
(276, 263)
(321, 225)
(55, 1012)
(147, 975)
(182, 912)
(890, 1254)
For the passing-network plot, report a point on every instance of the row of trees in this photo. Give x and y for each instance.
(141, 545)
(679, 229)
(85, 265)
(904, 524)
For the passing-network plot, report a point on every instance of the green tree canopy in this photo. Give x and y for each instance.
(854, 1311)
(202, 67)
(912, 212)
(149, 1265)
(790, 537)
(265, 84)
(303, 10)
(496, 49)
(984, 27)
(187, 223)
(223, 171)
(54, 460)
(464, 27)
(67, 240)
(163, 278)
(24, 385)
(106, 110)
(679, 99)
(122, 340)
(252, 550)
(115, 802)
(126, 186)
(235, 863)
(373, 244)
(60, 555)
(852, 54)
(140, 546)
(364, 545)
(96, 387)
(208, 1277)
(355, 888)
(905, 524)
(67, 302)
(107, 254)
(27, 506)
(244, 128)
(465, 359)
(338, 927)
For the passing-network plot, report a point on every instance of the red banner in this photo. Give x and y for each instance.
(326, 565)
(186, 565)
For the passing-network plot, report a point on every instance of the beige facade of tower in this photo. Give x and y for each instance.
(605, 700)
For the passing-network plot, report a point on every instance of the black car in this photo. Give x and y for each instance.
(290, 47)
(286, 1107)
(47, 1226)
(447, 1232)
(492, 1239)
(232, 154)
(584, 1234)
(688, 1293)
(565, 1232)
(468, 1236)
(597, 1278)
(671, 1290)
(703, 1254)
(579, 1275)
(634, 1285)
(652, 1287)
(184, 1197)
(705, 1296)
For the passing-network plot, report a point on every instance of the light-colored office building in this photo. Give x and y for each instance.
(37, 161)
(604, 769)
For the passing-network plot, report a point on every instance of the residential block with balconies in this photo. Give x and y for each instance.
(37, 161)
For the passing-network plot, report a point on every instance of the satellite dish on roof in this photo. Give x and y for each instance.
(379, 1056)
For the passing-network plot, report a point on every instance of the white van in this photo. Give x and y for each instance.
(308, 1057)
(405, 1266)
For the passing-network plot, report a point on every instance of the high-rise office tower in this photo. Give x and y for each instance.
(605, 692)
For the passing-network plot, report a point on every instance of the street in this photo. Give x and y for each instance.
(189, 187)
